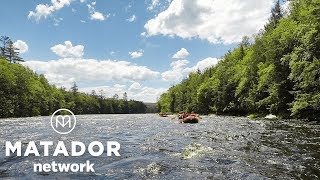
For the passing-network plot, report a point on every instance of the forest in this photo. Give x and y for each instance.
(25, 93)
(277, 71)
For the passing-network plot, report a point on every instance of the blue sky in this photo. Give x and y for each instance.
(141, 47)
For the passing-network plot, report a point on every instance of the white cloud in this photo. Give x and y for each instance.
(181, 54)
(135, 86)
(176, 72)
(44, 10)
(120, 86)
(144, 34)
(83, 1)
(153, 4)
(172, 75)
(63, 72)
(179, 70)
(106, 91)
(21, 45)
(68, 50)
(157, 5)
(95, 15)
(132, 18)
(146, 94)
(213, 20)
(203, 65)
(136, 54)
(179, 64)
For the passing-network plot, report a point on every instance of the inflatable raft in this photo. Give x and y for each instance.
(189, 120)
(163, 115)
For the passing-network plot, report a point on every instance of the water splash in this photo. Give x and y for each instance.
(195, 150)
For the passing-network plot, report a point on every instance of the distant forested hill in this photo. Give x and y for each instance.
(25, 93)
(278, 72)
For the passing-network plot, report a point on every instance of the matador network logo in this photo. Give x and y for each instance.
(63, 121)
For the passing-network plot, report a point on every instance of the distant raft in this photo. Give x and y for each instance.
(191, 120)
(163, 115)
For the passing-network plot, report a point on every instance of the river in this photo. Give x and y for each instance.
(159, 148)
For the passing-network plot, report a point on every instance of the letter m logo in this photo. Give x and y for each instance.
(63, 121)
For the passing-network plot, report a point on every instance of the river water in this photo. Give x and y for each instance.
(159, 148)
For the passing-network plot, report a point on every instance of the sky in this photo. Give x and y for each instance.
(141, 47)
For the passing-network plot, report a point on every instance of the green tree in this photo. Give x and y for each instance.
(3, 49)
(125, 103)
(276, 15)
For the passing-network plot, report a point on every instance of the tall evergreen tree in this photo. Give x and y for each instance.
(4, 43)
(12, 53)
(8, 51)
(125, 103)
(74, 88)
(276, 15)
